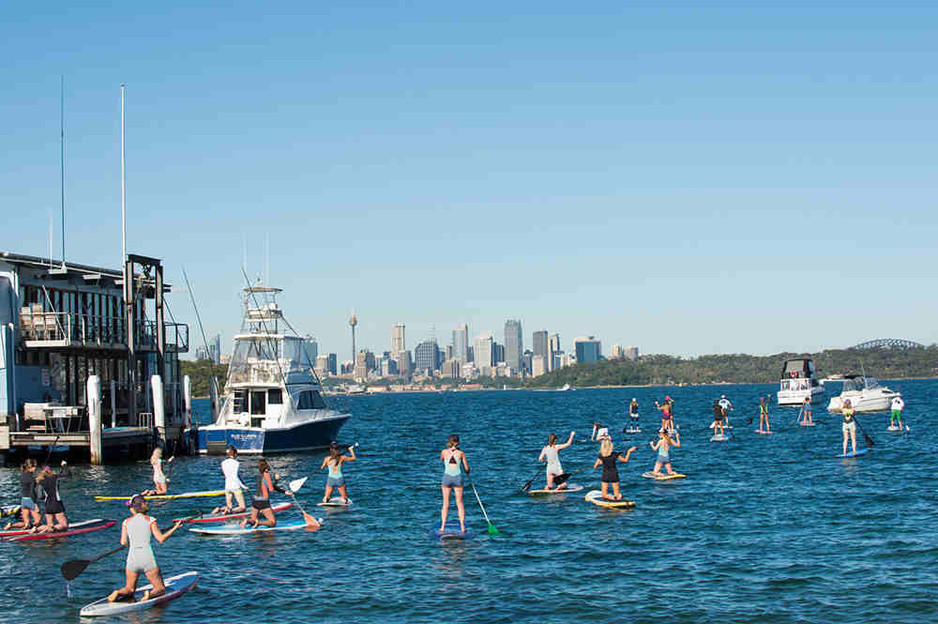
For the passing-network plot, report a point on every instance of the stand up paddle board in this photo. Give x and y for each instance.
(452, 532)
(895, 428)
(761, 432)
(76, 528)
(99, 499)
(635, 430)
(806, 424)
(176, 586)
(570, 488)
(722, 437)
(663, 476)
(338, 501)
(596, 497)
(862, 451)
(9, 510)
(235, 529)
(234, 516)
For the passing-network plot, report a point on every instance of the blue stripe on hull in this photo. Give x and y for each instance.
(303, 437)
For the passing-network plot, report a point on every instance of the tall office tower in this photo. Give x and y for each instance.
(398, 344)
(448, 353)
(587, 349)
(553, 349)
(364, 364)
(498, 353)
(461, 343)
(426, 357)
(214, 349)
(352, 322)
(483, 348)
(631, 353)
(405, 365)
(514, 344)
(538, 365)
(541, 345)
(322, 365)
(333, 364)
(617, 352)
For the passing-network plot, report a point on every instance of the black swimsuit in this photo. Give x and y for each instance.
(610, 472)
(50, 488)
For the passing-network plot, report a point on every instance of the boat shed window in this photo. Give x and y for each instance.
(310, 399)
(275, 397)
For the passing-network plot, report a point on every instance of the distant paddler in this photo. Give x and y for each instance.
(233, 485)
(29, 509)
(727, 407)
(551, 455)
(135, 536)
(261, 502)
(898, 405)
(849, 426)
(607, 459)
(764, 416)
(806, 417)
(663, 446)
(336, 480)
(718, 415)
(633, 417)
(160, 482)
(454, 463)
(667, 414)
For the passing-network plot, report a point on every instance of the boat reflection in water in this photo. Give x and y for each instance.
(273, 399)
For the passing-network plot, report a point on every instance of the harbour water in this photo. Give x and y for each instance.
(763, 529)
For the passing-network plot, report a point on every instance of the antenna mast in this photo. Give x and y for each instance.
(123, 187)
(62, 164)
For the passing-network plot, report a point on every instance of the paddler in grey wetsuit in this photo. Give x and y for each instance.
(135, 535)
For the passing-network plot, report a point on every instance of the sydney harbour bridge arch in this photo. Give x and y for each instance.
(889, 343)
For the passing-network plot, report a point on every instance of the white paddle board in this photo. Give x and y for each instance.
(722, 437)
(761, 432)
(176, 586)
(237, 529)
(545, 492)
(338, 501)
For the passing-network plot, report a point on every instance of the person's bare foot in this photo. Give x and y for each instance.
(112, 597)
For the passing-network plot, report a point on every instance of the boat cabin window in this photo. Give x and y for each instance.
(310, 399)
(240, 401)
(275, 397)
(258, 403)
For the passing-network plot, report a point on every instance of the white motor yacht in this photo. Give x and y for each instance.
(865, 394)
(798, 383)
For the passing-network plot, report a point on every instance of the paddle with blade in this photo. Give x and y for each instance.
(296, 484)
(562, 477)
(73, 568)
(492, 530)
(527, 486)
(869, 440)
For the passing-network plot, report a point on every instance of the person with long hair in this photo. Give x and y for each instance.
(455, 473)
(849, 426)
(48, 483)
(663, 445)
(29, 509)
(135, 536)
(550, 454)
(160, 482)
(333, 461)
(607, 459)
(233, 485)
(260, 504)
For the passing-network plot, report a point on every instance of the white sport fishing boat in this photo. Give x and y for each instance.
(865, 394)
(798, 383)
(274, 400)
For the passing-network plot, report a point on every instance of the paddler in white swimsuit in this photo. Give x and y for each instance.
(160, 482)
(454, 464)
(233, 484)
(135, 536)
(550, 454)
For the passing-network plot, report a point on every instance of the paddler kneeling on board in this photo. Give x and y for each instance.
(28, 507)
(607, 459)
(233, 484)
(550, 454)
(135, 536)
(48, 484)
(663, 446)
(261, 502)
(455, 465)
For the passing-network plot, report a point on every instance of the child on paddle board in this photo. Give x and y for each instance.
(135, 536)
(764, 415)
(261, 501)
(667, 413)
(160, 482)
(850, 425)
(550, 454)
(663, 446)
(806, 417)
(607, 459)
(897, 406)
(28, 507)
(48, 483)
(454, 465)
(233, 484)
(333, 462)
(718, 415)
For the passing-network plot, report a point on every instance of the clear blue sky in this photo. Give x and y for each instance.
(686, 178)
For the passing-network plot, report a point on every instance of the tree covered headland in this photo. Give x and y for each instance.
(200, 371)
(883, 363)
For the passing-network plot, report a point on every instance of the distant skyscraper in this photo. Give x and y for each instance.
(398, 344)
(483, 349)
(322, 365)
(631, 353)
(405, 364)
(553, 352)
(214, 349)
(461, 343)
(514, 344)
(587, 349)
(541, 344)
(426, 357)
(616, 353)
(333, 365)
(352, 322)
(498, 353)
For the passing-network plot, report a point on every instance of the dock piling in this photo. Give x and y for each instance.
(159, 409)
(93, 389)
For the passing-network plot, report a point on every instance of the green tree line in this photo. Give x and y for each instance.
(200, 371)
(883, 363)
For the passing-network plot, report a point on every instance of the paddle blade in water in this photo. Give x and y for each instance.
(493, 530)
(73, 568)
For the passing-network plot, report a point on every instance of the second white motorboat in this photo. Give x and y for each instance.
(865, 394)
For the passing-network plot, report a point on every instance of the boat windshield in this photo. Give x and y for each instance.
(254, 354)
(856, 384)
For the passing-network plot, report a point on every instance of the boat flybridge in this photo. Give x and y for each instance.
(273, 398)
(799, 382)
(865, 394)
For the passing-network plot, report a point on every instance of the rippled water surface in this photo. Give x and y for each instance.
(764, 529)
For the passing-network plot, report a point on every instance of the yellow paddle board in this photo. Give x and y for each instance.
(206, 493)
(596, 497)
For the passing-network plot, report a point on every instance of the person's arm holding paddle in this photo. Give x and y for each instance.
(567, 443)
(625, 459)
(351, 456)
(157, 532)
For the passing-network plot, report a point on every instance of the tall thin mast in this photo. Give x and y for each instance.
(62, 164)
(123, 188)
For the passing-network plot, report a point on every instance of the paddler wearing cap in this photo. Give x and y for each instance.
(135, 536)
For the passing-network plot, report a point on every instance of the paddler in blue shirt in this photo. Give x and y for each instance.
(455, 473)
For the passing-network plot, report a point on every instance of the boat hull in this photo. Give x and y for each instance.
(307, 436)
(795, 398)
(863, 402)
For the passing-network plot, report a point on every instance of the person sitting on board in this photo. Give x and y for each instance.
(233, 484)
(727, 407)
(261, 501)
(550, 454)
(667, 414)
(898, 405)
(663, 446)
(717, 419)
(160, 482)
(607, 459)
(806, 417)
(763, 416)
(28, 496)
(48, 483)
(135, 536)
(633, 415)
(850, 425)
(454, 462)
(333, 462)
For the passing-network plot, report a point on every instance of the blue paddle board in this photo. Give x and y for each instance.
(452, 532)
(862, 451)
